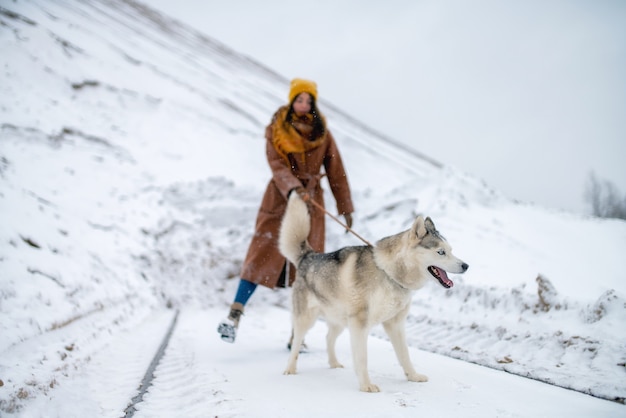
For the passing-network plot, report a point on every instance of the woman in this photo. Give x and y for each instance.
(298, 145)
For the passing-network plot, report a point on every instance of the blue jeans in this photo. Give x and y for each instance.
(245, 290)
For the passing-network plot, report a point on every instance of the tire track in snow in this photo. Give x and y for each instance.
(187, 382)
(102, 371)
(149, 376)
(41, 365)
(516, 351)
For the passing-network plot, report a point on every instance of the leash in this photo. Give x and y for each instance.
(339, 222)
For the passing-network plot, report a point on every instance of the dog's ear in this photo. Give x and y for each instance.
(430, 226)
(418, 230)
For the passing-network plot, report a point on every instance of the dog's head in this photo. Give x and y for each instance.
(433, 252)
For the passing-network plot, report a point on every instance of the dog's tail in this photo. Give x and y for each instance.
(294, 230)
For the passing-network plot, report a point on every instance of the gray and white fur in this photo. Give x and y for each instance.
(361, 286)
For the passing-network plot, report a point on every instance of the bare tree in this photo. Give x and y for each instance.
(604, 198)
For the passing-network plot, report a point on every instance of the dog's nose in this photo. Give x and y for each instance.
(464, 266)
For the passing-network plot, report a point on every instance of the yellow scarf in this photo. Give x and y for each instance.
(292, 136)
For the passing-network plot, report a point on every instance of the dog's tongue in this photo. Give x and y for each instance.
(442, 276)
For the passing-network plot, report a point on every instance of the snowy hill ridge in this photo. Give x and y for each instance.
(132, 165)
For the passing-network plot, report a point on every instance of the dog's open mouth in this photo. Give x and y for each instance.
(441, 275)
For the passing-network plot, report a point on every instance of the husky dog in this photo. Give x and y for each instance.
(362, 286)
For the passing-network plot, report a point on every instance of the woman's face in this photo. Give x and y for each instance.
(302, 104)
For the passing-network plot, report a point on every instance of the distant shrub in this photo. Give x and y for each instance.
(604, 198)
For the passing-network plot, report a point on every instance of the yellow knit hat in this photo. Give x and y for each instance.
(300, 85)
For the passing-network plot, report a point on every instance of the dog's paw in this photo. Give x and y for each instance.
(416, 377)
(336, 365)
(290, 370)
(371, 388)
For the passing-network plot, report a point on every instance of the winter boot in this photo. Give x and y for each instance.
(228, 327)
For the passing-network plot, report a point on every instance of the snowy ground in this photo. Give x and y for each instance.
(202, 376)
(131, 168)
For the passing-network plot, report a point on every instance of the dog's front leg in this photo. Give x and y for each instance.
(396, 332)
(358, 340)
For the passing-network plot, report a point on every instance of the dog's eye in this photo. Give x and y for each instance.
(441, 252)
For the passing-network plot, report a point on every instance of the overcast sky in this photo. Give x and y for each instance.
(528, 95)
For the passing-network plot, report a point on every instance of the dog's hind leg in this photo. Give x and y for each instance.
(396, 332)
(334, 331)
(302, 323)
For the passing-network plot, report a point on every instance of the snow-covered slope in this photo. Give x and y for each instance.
(132, 164)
